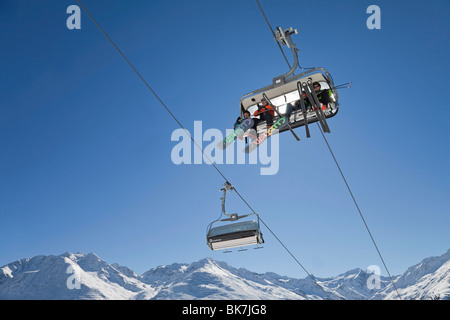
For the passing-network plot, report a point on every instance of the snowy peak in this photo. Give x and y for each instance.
(209, 279)
(67, 276)
(429, 279)
(80, 276)
(272, 285)
(426, 266)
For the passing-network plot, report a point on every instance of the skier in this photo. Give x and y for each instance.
(239, 119)
(324, 96)
(265, 112)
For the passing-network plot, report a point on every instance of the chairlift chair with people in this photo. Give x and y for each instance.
(294, 96)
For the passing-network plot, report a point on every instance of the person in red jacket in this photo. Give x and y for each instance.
(265, 112)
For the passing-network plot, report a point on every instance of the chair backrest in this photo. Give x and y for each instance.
(234, 235)
(287, 93)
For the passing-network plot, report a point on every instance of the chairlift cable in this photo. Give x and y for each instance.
(359, 211)
(273, 33)
(148, 86)
(190, 136)
(342, 174)
(281, 242)
(279, 46)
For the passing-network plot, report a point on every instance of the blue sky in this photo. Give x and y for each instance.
(85, 148)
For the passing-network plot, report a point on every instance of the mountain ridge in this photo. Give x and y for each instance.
(72, 276)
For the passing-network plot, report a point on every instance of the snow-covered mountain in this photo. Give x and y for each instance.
(80, 276)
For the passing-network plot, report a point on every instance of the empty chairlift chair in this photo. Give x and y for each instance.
(222, 234)
(238, 234)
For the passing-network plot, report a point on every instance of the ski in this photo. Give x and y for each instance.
(256, 141)
(312, 97)
(312, 103)
(319, 106)
(303, 106)
(246, 124)
(280, 116)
